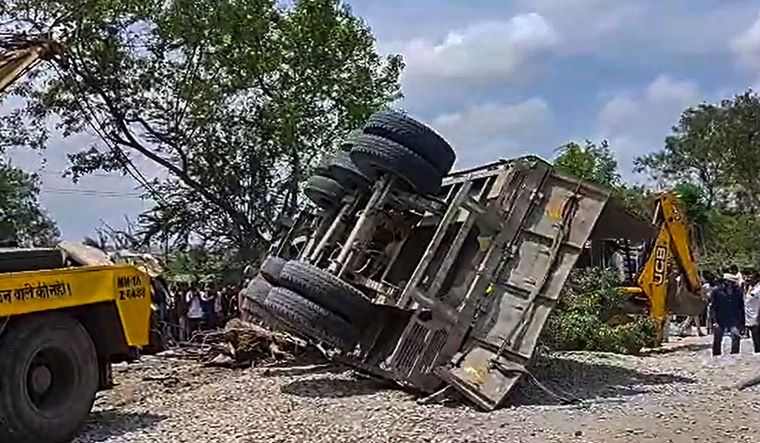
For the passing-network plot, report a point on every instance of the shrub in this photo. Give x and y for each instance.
(576, 324)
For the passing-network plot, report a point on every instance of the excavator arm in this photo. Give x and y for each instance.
(672, 248)
(21, 54)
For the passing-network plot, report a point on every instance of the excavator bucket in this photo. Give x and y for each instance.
(685, 302)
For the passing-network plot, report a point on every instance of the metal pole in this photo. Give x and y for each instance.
(379, 194)
(435, 242)
(331, 230)
(285, 240)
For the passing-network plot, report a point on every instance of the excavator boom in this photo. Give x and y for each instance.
(673, 247)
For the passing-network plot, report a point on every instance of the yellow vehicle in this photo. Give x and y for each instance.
(671, 256)
(62, 325)
(66, 314)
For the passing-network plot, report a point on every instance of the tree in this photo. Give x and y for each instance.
(235, 100)
(589, 162)
(597, 164)
(717, 147)
(22, 221)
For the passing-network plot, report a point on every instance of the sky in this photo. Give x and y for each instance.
(505, 78)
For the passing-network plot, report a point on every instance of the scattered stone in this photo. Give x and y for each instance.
(177, 399)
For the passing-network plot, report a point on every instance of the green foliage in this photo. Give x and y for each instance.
(715, 146)
(731, 238)
(597, 164)
(234, 101)
(201, 266)
(694, 200)
(577, 323)
(589, 162)
(724, 236)
(22, 221)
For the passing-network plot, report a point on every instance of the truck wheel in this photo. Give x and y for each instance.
(309, 319)
(255, 294)
(324, 191)
(375, 155)
(414, 135)
(343, 170)
(48, 377)
(350, 140)
(271, 267)
(326, 290)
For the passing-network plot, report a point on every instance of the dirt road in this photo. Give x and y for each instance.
(678, 393)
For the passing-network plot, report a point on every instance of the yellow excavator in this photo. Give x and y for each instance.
(669, 282)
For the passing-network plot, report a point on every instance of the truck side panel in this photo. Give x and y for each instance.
(545, 249)
(37, 291)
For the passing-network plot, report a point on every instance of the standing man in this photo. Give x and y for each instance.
(180, 312)
(194, 311)
(208, 302)
(727, 314)
(751, 308)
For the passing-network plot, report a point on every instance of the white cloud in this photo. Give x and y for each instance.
(485, 52)
(747, 46)
(490, 131)
(584, 22)
(637, 122)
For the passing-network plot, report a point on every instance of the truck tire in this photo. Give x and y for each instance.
(326, 290)
(375, 155)
(414, 135)
(343, 170)
(48, 377)
(350, 140)
(309, 319)
(271, 267)
(324, 191)
(254, 299)
(255, 294)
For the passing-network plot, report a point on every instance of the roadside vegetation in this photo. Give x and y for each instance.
(579, 321)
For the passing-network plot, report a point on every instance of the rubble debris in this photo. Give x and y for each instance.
(239, 345)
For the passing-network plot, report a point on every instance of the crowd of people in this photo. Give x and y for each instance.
(197, 307)
(733, 309)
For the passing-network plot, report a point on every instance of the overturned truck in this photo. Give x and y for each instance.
(424, 277)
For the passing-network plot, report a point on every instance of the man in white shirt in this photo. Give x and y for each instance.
(751, 308)
(194, 310)
(734, 275)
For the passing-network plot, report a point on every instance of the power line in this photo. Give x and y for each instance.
(60, 174)
(89, 192)
(120, 155)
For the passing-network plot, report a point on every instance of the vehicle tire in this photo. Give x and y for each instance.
(271, 267)
(48, 377)
(255, 294)
(324, 191)
(414, 135)
(309, 319)
(343, 170)
(350, 140)
(326, 290)
(375, 155)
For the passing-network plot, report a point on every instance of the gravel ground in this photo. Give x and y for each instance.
(676, 394)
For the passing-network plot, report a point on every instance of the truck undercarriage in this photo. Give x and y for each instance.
(445, 287)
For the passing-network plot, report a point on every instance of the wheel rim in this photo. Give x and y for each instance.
(49, 379)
